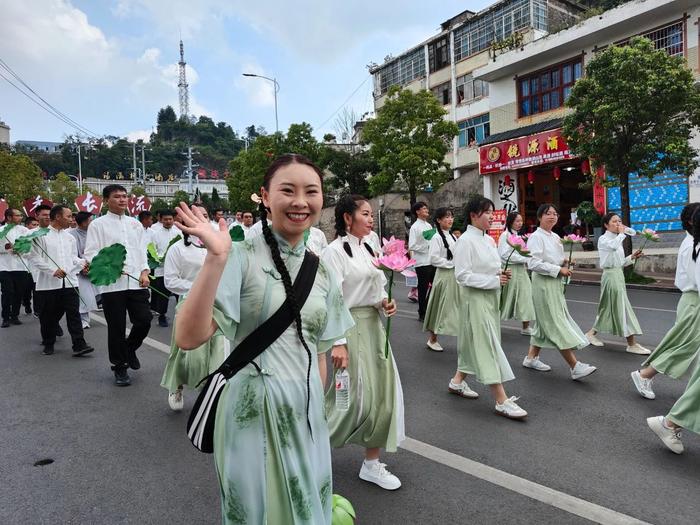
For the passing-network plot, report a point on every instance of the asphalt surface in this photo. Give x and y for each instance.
(120, 455)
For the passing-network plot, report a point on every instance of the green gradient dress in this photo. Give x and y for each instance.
(442, 313)
(271, 469)
(516, 296)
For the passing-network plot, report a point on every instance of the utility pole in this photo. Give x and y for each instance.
(189, 172)
(136, 176)
(80, 172)
(143, 164)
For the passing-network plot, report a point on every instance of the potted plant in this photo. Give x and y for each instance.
(590, 218)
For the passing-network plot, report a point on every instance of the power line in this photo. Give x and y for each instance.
(344, 103)
(44, 104)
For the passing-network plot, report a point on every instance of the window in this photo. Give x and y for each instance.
(439, 54)
(469, 89)
(669, 38)
(474, 130)
(443, 93)
(548, 89)
(403, 70)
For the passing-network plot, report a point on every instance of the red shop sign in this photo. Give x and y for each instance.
(523, 152)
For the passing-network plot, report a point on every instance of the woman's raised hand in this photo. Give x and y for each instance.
(217, 243)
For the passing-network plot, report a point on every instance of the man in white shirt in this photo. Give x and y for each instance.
(13, 274)
(87, 289)
(54, 258)
(420, 248)
(161, 238)
(125, 295)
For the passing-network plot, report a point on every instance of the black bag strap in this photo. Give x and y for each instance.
(264, 335)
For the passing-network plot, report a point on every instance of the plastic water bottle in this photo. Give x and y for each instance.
(342, 390)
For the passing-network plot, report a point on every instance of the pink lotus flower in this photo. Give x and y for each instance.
(518, 244)
(393, 245)
(393, 262)
(573, 239)
(650, 235)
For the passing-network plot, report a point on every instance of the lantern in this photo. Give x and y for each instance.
(506, 180)
(557, 172)
(585, 167)
(531, 176)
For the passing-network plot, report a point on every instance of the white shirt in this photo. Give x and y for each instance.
(256, 229)
(419, 246)
(362, 282)
(10, 262)
(476, 260)
(110, 229)
(505, 250)
(61, 247)
(685, 274)
(610, 250)
(182, 264)
(373, 240)
(161, 238)
(546, 253)
(317, 241)
(438, 252)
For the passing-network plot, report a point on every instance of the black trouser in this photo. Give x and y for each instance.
(425, 276)
(158, 302)
(28, 291)
(55, 303)
(12, 285)
(115, 306)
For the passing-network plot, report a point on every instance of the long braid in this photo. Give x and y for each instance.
(289, 291)
(444, 242)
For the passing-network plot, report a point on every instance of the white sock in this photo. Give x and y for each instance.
(371, 462)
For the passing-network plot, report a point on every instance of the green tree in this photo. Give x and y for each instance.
(63, 190)
(139, 191)
(409, 140)
(178, 197)
(351, 172)
(159, 204)
(20, 178)
(300, 139)
(634, 112)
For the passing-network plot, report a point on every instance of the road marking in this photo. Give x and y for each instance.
(634, 307)
(551, 497)
(149, 340)
(554, 498)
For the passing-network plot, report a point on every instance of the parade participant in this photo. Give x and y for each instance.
(182, 264)
(146, 219)
(125, 295)
(271, 444)
(419, 247)
(56, 261)
(316, 241)
(677, 350)
(442, 313)
(374, 416)
(478, 272)
(161, 239)
(684, 414)
(516, 296)
(43, 217)
(615, 314)
(86, 288)
(555, 328)
(218, 214)
(13, 274)
(374, 242)
(248, 220)
(31, 224)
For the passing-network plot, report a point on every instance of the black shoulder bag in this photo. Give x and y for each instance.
(200, 425)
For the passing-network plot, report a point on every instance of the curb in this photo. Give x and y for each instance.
(665, 289)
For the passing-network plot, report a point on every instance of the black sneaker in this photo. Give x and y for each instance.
(48, 350)
(59, 331)
(85, 349)
(134, 362)
(163, 321)
(5, 323)
(121, 377)
(28, 309)
(15, 321)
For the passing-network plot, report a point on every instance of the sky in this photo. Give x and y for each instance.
(110, 65)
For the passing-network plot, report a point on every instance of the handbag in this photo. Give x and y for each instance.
(200, 425)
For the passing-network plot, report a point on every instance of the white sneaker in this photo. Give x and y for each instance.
(379, 475)
(590, 335)
(462, 390)
(581, 370)
(86, 325)
(670, 436)
(434, 346)
(510, 409)
(536, 364)
(642, 385)
(636, 348)
(527, 331)
(175, 400)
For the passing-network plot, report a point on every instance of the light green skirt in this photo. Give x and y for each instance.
(442, 313)
(615, 314)
(375, 418)
(516, 296)
(555, 328)
(479, 342)
(191, 366)
(686, 411)
(680, 345)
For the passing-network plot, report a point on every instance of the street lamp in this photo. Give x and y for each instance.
(277, 88)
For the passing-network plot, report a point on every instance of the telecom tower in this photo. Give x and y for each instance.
(183, 87)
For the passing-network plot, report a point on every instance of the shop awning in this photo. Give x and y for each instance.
(532, 129)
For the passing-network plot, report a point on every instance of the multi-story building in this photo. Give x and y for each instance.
(525, 160)
(163, 189)
(445, 64)
(39, 145)
(4, 133)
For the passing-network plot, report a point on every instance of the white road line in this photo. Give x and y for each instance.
(149, 340)
(554, 498)
(634, 307)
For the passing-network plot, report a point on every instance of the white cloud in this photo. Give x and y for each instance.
(139, 134)
(259, 91)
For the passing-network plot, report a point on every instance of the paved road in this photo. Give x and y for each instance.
(121, 455)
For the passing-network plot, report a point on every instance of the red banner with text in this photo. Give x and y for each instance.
(524, 152)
